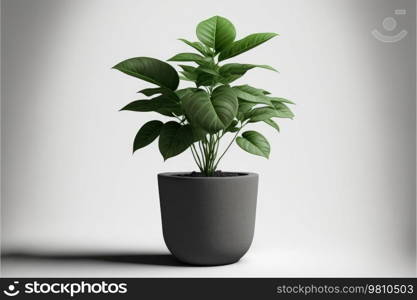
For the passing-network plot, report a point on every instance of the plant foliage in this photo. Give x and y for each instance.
(202, 115)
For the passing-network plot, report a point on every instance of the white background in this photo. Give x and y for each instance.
(336, 198)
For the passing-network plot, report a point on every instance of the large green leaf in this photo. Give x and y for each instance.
(211, 114)
(147, 134)
(197, 46)
(254, 143)
(240, 69)
(194, 57)
(174, 139)
(151, 70)
(160, 104)
(251, 94)
(216, 32)
(245, 44)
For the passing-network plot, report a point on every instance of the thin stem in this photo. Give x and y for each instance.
(211, 154)
(230, 144)
(196, 157)
(208, 147)
(215, 147)
(203, 157)
(208, 156)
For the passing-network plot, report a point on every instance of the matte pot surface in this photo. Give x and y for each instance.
(208, 220)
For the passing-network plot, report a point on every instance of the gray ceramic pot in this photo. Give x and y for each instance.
(208, 220)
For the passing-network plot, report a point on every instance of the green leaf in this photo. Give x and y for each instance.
(232, 127)
(202, 75)
(254, 143)
(188, 68)
(251, 94)
(189, 72)
(183, 92)
(229, 79)
(211, 114)
(272, 123)
(243, 110)
(189, 76)
(190, 57)
(160, 104)
(262, 114)
(206, 69)
(216, 32)
(245, 44)
(174, 139)
(142, 105)
(197, 46)
(240, 69)
(282, 111)
(198, 133)
(283, 100)
(245, 107)
(151, 70)
(232, 72)
(147, 134)
(163, 91)
(185, 78)
(205, 79)
(152, 91)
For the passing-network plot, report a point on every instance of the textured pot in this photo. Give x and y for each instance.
(208, 220)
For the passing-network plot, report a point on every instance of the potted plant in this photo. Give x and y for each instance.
(208, 217)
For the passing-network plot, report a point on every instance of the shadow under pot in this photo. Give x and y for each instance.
(208, 220)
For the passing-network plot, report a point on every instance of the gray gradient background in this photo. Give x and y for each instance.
(336, 198)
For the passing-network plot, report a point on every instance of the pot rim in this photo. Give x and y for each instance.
(178, 175)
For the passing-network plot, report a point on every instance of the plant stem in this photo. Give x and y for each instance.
(203, 157)
(196, 157)
(230, 144)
